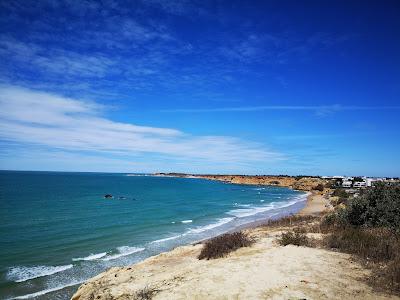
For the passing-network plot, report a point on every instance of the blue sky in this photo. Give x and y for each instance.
(255, 87)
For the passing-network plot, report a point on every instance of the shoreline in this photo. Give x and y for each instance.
(265, 270)
(242, 224)
(315, 204)
(256, 215)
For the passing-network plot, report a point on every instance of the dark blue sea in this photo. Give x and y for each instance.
(57, 229)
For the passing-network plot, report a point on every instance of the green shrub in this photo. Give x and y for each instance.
(377, 207)
(222, 245)
(341, 193)
(294, 237)
(334, 220)
(342, 200)
(356, 211)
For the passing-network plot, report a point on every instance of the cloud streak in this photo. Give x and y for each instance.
(38, 118)
(320, 110)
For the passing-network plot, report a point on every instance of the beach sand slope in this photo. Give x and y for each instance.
(263, 271)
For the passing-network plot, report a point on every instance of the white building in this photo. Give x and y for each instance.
(370, 181)
(360, 184)
(347, 183)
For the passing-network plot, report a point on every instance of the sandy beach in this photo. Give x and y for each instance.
(262, 271)
(316, 203)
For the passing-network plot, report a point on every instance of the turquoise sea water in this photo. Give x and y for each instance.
(57, 229)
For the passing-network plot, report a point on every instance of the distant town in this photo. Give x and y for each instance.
(359, 182)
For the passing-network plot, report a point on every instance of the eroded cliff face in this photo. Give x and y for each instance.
(298, 183)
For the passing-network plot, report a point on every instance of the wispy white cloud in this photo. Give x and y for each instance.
(320, 110)
(39, 118)
(144, 53)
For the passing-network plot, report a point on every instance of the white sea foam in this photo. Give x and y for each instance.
(91, 256)
(210, 226)
(41, 293)
(186, 221)
(20, 274)
(246, 212)
(166, 239)
(123, 251)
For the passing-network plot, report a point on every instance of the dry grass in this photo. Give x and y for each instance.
(293, 220)
(374, 244)
(294, 237)
(378, 248)
(224, 244)
(392, 273)
(146, 293)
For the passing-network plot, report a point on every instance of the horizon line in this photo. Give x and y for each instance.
(183, 173)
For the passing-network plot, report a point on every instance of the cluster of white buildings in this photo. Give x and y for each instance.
(358, 182)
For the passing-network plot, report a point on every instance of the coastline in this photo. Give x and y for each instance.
(262, 271)
(314, 205)
(254, 205)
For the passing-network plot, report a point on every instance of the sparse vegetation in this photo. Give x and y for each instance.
(368, 226)
(291, 220)
(224, 244)
(374, 244)
(392, 274)
(294, 237)
(147, 293)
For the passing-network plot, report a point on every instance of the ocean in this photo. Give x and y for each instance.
(57, 229)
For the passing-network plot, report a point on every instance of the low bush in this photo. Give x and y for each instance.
(224, 244)
(341, 193)
(146, 293)
(319, 187)
(293, 237)
(335, 220)
(377, 207)
(342, 200)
